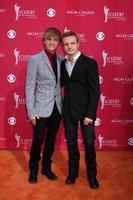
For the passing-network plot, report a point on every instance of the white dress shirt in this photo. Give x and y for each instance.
(69, 65)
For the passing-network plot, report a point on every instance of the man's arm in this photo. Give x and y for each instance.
(94, 90)
(30, 86)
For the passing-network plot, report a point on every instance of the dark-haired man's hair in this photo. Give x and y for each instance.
(70, 33)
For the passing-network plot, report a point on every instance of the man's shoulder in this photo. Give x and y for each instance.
(63, 62)
(60, 57)
(88, 62)
(87, 58)
(35, 57)
(40, 53)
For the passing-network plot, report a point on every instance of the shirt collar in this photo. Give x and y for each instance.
(75, 57)
(49, 54)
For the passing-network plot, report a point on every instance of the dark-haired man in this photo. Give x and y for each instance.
(79, 76)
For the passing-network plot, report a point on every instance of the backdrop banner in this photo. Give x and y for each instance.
(106, 34)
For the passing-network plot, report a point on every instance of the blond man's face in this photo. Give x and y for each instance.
(51, 43)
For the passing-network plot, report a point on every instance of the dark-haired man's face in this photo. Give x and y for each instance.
(70, 45)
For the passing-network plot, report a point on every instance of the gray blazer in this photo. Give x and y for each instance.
(41, 88)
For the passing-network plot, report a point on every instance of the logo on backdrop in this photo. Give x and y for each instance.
(51, 12)
(17, 138)
(23, 13)
(3, 139)
(104, 55)
(2, 99)
(116, 60)
(16, 98)
(2, 10)
(16, 7)
(125, 36)
(11, 34)
(122, 121)
(117, 15)
(106, 11)
(80, 13)
(100, 80)
(130, 141)
(35, 34)
(102, 98)
(12, 121)
(123, 79)
(11, 78)
(131, 101)
(16, 54)
(100, 140)
(20, 57)
(2, 55)
(97, 122)
(66, 29)
(105, 142)
(22, 141)
(82, 37)
(100, 36)
(109, 102)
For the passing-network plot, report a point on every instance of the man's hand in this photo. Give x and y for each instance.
(87, 121)
(33, 119)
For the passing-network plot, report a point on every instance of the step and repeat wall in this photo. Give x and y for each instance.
(106, 34)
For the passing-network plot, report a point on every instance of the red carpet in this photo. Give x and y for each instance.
(115, 175)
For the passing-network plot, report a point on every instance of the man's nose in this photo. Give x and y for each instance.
(69, 46)
(51, 41)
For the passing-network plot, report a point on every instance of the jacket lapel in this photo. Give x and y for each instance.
(58, 68)
(65, 70)
(76, 66)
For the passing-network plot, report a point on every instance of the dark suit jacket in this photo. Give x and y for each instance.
(81, 90)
